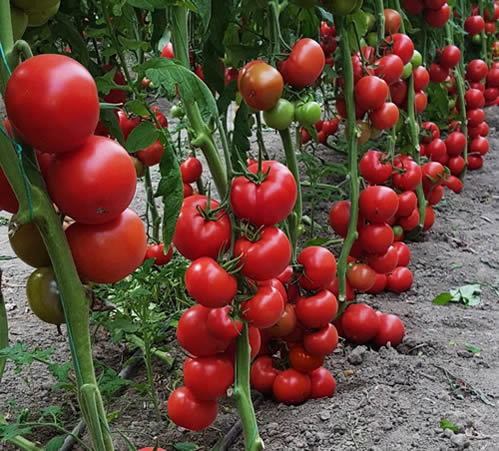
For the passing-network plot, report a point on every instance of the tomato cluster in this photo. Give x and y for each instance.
(436, 12)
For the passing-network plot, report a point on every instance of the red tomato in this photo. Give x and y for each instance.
(410, 222)
(115, 95)
(157, 252)
(403, 252)
(377, 204)
(167, 51)
(52, 103)
(430, 132)
(8, 200)
(267, 202)
(334, 288)
(438, 74)
(201, 235)
(304, 64)
(475, 117)
(453, 183)
(389, 68)
(107, 253)
(292, 387)
(185, 410)
(188, 191)
(421, 78)
(191, 170)
(479, 145)
(398, 92)
(230, 74)
(127, 124)
(323, 384)
(409, 178)
(391, 330)
(493, 78)
(408, 201)
(209, 284)
(434, 4)
(376, 238)
(208, 378)
(370, 92)
(455, 144)
(321, 342)
(221, 325)
(476, 71)
(399, 280)
(339, 216)
(266, 257)
(302, 361)
(392, 21)
(319, 267)
(264, 309)
(379, 284)
(263, 374)
(94, 183)
(384, 263)
(402, 46)
(374, 168)
(360, 323)
(414, 6)
(456, 165)
(436, 149)
(361, 277)
(437, 18)
(475, 162)
(152, 154)
(385, 117)
(474, 99)
(420, 102)
(450, 56)
(318, 310)
(474, 25)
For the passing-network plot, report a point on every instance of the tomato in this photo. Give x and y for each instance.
(475, 162)
(291, 387)
(378, 203)
(420, 102)
(334, 288)
(406, 73)
(474, 99)
(402, 46)
(28, 245)
(493, 78)
(491, 94)
(43, 296)
(486, 14)
(201, 234)
(438, 74)
(127, 124)
(308, 114)
(61, 94)
(106, 253)
(411, 221)
(157, 251)
(475, 117)
(339, 217)
(416, 60)
(385, 117)
(208, 378)
(479, 145)
(321, 342)
(323, 384)
(267, 256)
(191, 170)
(430, 132)
(403, 252)
(94, 183)
(399, 280)
(376, 238)
(389, 68)
(453, 183)
(398, 92)
(331, 127)
(455, 144)
(450, 56)
(456, 165)
(319, 267)
(152, 154)
(391, 330)
(286, 323)
(317, 310)
(477, 70)
(414, 6)
(437, 18)
(185, 410)
(379, 284)
(474, 25)
(408, 201)
(421, 78)
(167, 51)
(188, 190)
(263, 374)
(384, 263)
(302, 361)
(341, 7)
(230, 74)
(361, 277)
(411, 176)
(115, 95)
(360, 323)
(264, 202)
(371, 92)
(374, 168)
(392, 21)
(265, 308)
(260, 85)
(436, 149)
(304, 64)
(220, 325)
(281, 116)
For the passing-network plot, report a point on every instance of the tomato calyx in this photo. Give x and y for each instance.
(208, 213)
(250, 231)
(257, 178)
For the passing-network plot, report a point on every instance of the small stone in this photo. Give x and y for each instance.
(448, 433)
(299, 444)
(460, 441)
(10, 306)
(357, 355)
(325, 415)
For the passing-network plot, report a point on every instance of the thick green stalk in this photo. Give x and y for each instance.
(4, 328)
(242, 393)
(203, 137)
(396, 4)
(156, 219)
(380, 23)
(352, 158)
(150, 378)
(295, 219)
(483, 35)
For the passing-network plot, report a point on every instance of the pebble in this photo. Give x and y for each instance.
(460, 441)
(356, 357)
(325, 415)
(448, 433)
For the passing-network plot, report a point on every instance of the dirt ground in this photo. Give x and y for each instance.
(385, 401)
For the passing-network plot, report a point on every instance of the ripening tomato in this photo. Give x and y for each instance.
(361, 276)
(107, 253)
(374, 168)
(377, 204)
(263, 374)
(475, 117)
(438, 74)
(421, 78)
(157, 252)
(260, 85)
(391, 330)
(187, 411)
(370, 92)
(384, 263)
(291, 387)
(474, 25)
(286, 324)
(437, 18)
(398, 92)
(208, 378)
(474, 99)
(317, 310)
(408, 201)
(52, 103)
(43, 296)
(479, 145)
(399, 280)
(27, 243)
(323, 384)
(167, 51)
(389, 68)
(385, 117)
(319, 267)
(360, 323)
(430, 132)
(420, 102)
(475, 162)
(450, 56)
(339, 217)
(321, 342)
(152, 154)
(392, 21)
(414, 6)
(410, 177)
(191, 170)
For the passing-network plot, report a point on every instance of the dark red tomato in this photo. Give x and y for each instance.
(455, 144)
(318, 310)
(370, 92)
(376, 238)
(399, 280)
(334, 288)
(491, 94)
(321, 342)
(292, 387)
(339, 216)
(360, 323)
(263, 374)
(304, 64)
(209, 284)
(450, 56)
(475, 162)
(430, 132)
(319, 267)
(286, 324)
(323, 384)
(421, 78)
(194, 336)
(437, 18)
(401, 45)
(436, 149)
(266, 257)
(331, 127)
(474, 25)
(474, 99)
(379, 284)
(408, 176)
(127, 124)
(477, 85)
(106, 253)
(208, 378)
(361, 277)
(484, 129)
(152, 154)
(191, 170)
(157, 252)
(230, 74)
(384, 263)
(115, 95)
(433, 173)
(495, 16)
(391, 330)
(429, 218)
(434, 4)
(477, 70)
(414, 6)
(264, 309)
(408, 201)
(420, 102)
(187, 411)
(438, 74)
(479, 145)
(302, 361)
(398, 92)
(160, 117)
(167, 51)
(475, 117)
(404, 254)
(286, 277)
(8, 200)
(200, 234)
(453, 183)
(260, 85)
(221, 325)
(188, 190)
(456, 165)
(385, 117)
(409, 222)
(392, 21)
(374, 168)
(493, 78)
(377, 204)
(60, 96)
(268, 202)
(389, 68)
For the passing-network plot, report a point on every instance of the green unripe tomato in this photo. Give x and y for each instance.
(37, 18)
(308, 113)
(416, 60)
(281, 116)
(371, 21)
(19, 20)
(341, 7)
(476, 39)
(452, 104)
(177, 111)
(398, 230)
(43, 296)
(407, 71)
(372, 39)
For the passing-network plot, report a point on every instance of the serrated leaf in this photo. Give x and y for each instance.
(105, 82)
(359, 24)
(227, 96)
(55, 443)
(111, 122)
(442, 299)
(137, 107)
(446, 424)
(317, 242)
(10, 431)
(141, 136)
(473, 349)
(203, 10)
(133, 44)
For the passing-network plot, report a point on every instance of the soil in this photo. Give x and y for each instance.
(386, 400)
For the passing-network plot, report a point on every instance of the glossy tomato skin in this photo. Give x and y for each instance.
(385, 117)
(265, 308)
(319, 267)
(281, 116)
(94, 183)
(321, 342)
(196, 236)
(323, 384)
(379, 284)
(157, 251)
(286, 324)
(268, 202)
(370, 92)
(191, 169)
(455, 144)
(185, 410)
(402, 46)
(115, 95)
(43, 296)
(377, 204)
(291, 387)
(410, 177)
(28, 245)
(361, 276)
(263, 374)
(399, 280)
(61, 94)
(260, 85)
(360, 323)
(208, 378)
(302, 361)
(421, 78)
(266, 257)
(339, 217)
(317, 311)
(391, 329)
(373, 169)
(376, 238)
(404, 253)
(106, 253)
(392, 21)
(408, 201)
(127, 124)
(152, 154)
(384, 263)
(167, 51)
(437, 18)
(221, 325)
(389, 68)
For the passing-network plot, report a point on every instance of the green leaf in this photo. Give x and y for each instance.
(446, 424)
(203, 9)
(212, 69)
(111, 122)
(158, 27)
(133, 44)
(227, 96)
(66, 30)
(55, 443)
(240, 139)
(359, 24)
(147, 4)
(439, 105)
(137, 107)
(105, 82)
(473, 349)
(442, 299)
(10, 431)
(141, 136)
(185, 446)
(317, 242)
(470, 294)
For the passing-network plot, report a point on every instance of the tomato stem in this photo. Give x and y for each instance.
(21, 442)
(485, 53)
(380, 24)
